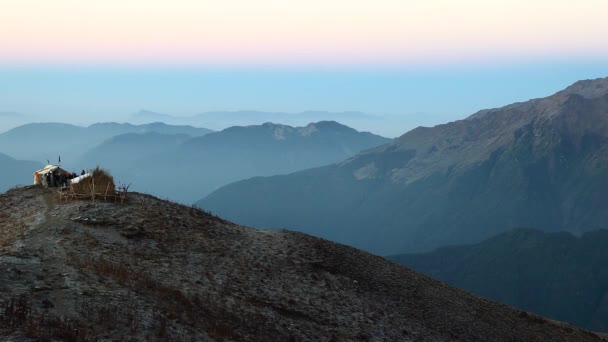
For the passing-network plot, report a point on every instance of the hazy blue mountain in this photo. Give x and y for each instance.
(223, 119)
(42, 141)
(187, 169)
(162, 128)
(556, 275)
(541, 163)
(124, 155)
(244, 117)
(10, 120)
(145, 116)
(218, 120)
(16, 172)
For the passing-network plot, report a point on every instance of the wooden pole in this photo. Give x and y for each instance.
(106, 194)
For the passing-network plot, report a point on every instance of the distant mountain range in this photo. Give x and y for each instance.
(42, 141)
(185, 169)
(541, 163)
(388, 125)
(556, 275)
(223, 119)
(16, 172)
(185, 163)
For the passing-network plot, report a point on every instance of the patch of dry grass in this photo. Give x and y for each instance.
(13, 225)
(17, 314)
(100, 182)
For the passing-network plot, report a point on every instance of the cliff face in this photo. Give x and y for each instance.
(541, 163)
(153, 270)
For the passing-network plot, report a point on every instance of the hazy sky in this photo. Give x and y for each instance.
(93, 60)
(271, 32)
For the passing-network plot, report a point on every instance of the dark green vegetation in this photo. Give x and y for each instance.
(16, 172)
(541, 163)
(556, 275)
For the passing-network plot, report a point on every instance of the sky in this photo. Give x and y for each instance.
(434, 60)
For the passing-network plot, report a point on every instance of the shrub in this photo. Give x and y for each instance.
(100, 182)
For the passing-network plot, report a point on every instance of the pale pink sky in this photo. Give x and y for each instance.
(284, 32)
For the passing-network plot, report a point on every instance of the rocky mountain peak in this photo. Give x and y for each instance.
(588, 88)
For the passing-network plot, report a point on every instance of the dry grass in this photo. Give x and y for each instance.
(17, 314)
(13, 225)
(173, 304)
(100, 182)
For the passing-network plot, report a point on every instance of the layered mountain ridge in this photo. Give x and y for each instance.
(541, 163)
(185, 169)
(41, 141)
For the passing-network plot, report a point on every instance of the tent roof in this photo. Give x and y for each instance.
(49, 168)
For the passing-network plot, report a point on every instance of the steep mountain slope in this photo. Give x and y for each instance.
(541, 163)
(555, 275)
(151, 270)
(41, 141)
(186, 170)
(16, 172)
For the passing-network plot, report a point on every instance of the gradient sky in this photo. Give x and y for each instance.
(93, 60)
(271, 32)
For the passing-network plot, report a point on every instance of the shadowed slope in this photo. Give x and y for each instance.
(154, 270)
(553, 274)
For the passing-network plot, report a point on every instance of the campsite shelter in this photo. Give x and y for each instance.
(46, 170)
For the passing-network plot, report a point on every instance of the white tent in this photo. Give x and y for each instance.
(38, 175)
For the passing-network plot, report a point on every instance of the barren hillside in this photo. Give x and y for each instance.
(152, 270)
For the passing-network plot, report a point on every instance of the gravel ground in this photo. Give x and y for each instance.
(151, 270)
